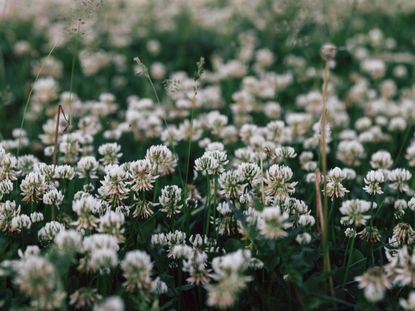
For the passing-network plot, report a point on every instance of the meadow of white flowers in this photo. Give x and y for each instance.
(195, 155)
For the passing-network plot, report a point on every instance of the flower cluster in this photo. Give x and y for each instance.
(236, 182)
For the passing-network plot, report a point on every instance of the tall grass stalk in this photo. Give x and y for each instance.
(323, 159)
(74, 55)
(26, 106)
(208, 195)
(261, 163)
(215, 202)
(349, 259)
(144, 72)
(197, 76)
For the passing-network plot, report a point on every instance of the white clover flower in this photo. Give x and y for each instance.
(275, 131)
(272, 223)
(191, 130)
(398, 178)
(171, 136)
(334, 186)
(20, 222)
(97, 241)
(101, 253)
(141, 174)
(284, 152)
(6, 186)
(350, 173)
(257, 142)
(215, 146)
(374, 282)
(216, 122)
(176, 237)
(363, 124)
(350, 152)
(84, 297)
(354, 212)
(33, 187)
(294, 206)
(310, 166)
(45, 90)
(50, 230)
(198, 240)
(272, 110)
(246, 155)
(31, 250)
(102, 260)
(230, 184)
(207, 165)
(64, 172)
(36, 217)
(228, 271)
(158, 287)
(303, 238)
(48, 171)
(180, 251)
(87, 167)
(375, 67)
(350, 232)
(162, 160)
(195, 265)
(137, 268)
(372, 181)
(397, 124)
(411, 204)
(170, 200)
(159, 239)
(409, 303)
(110, 153)
(410, 155)
(399, 208)
(69, 147)
(220, 156)
(112, 223)
(53, 197)
(36, 276)
(68, 241)
(250, 173)
(403, 233)
(224, 208)
(113, 303)
(26, 163)
(8, 166)
(277, 181)
(85, 207)
(306, 220)
(114, 186)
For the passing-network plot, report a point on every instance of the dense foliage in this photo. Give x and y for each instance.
(190, 155)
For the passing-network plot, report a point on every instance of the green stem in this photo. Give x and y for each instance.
(331, 220)
(156, 185)
(323, 158)
(346, 252)
(372, 216)
(207, 220)
(349, 260)
(74, 55)
(26, 106)
(215, 202)
(150, 81)
(189, 147)
(53, 212)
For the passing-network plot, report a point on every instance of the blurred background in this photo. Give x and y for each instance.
(91, 44)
